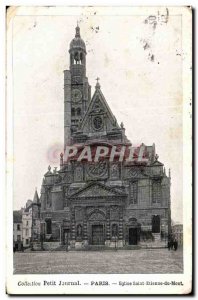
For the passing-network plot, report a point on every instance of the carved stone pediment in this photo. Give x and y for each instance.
(97, 190)
(97, 215)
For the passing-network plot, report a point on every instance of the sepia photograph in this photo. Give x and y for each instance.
(99, 150)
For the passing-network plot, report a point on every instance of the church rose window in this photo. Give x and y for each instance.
(97, 123)
(156, 191)
(133, 192)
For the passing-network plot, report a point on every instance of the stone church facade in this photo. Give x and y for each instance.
(103, 202)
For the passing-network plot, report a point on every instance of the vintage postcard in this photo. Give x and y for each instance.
(99, 150)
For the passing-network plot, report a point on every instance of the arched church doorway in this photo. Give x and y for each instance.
(156, 224)
(133, 236)
(98, 234)
(133, 233)
(97, 222)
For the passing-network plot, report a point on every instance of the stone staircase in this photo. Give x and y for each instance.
(157, 237)
(157, 242)
(36, 246)
(50, 246)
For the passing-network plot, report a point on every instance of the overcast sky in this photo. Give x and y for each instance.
(140, 71)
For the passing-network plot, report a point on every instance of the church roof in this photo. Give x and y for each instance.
(49, 172)
(36, 197)
(17, 216)
(77, 42)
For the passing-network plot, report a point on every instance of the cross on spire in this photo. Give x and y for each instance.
(77, 30)
(97, 83)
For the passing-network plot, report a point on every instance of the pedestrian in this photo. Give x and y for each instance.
(175, 245)
(169, 245)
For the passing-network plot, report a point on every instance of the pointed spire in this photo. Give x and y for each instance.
(77, 31)
(97, 83)
(36, 197)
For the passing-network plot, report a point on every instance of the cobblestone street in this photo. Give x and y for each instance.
(159, 261)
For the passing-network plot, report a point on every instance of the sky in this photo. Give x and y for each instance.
(139, 64)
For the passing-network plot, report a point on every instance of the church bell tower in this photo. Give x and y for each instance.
(77, 91)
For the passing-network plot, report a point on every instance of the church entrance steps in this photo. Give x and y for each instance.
(131, 247)
(157, 236)
(50, 245)
(154, 244)
(36, 246)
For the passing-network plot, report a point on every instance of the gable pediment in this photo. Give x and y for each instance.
(98, 114)
(156, 163)
(97, 190)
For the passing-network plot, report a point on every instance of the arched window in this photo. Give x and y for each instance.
(81, 58)
(76, 57)
(156, 191)
(78, 111)
(133, 192)
(73, 111)
(48, 226)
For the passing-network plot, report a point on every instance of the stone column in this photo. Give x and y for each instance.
(85, 225)
(107, 242)
(73, 228)
(120, 230)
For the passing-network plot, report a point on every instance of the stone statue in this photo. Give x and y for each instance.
(79, 230)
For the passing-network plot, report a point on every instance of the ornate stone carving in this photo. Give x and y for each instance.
(114, 212)
(79, 230)
(96, 191)
(97, 216)
(114, 231)
(97, 106)
(97, 123)
(68, 177)
(78, 174)
(134, 172)
(79, 213)
(97, 169)
(114, 171)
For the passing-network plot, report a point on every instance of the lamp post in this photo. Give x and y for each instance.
(42, 224)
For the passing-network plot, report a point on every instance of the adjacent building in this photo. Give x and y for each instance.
(17, 229)
(177, 232)
(31, 221)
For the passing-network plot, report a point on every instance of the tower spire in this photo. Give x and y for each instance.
(77, 31)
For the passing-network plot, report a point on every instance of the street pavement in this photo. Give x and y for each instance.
(143, 261)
